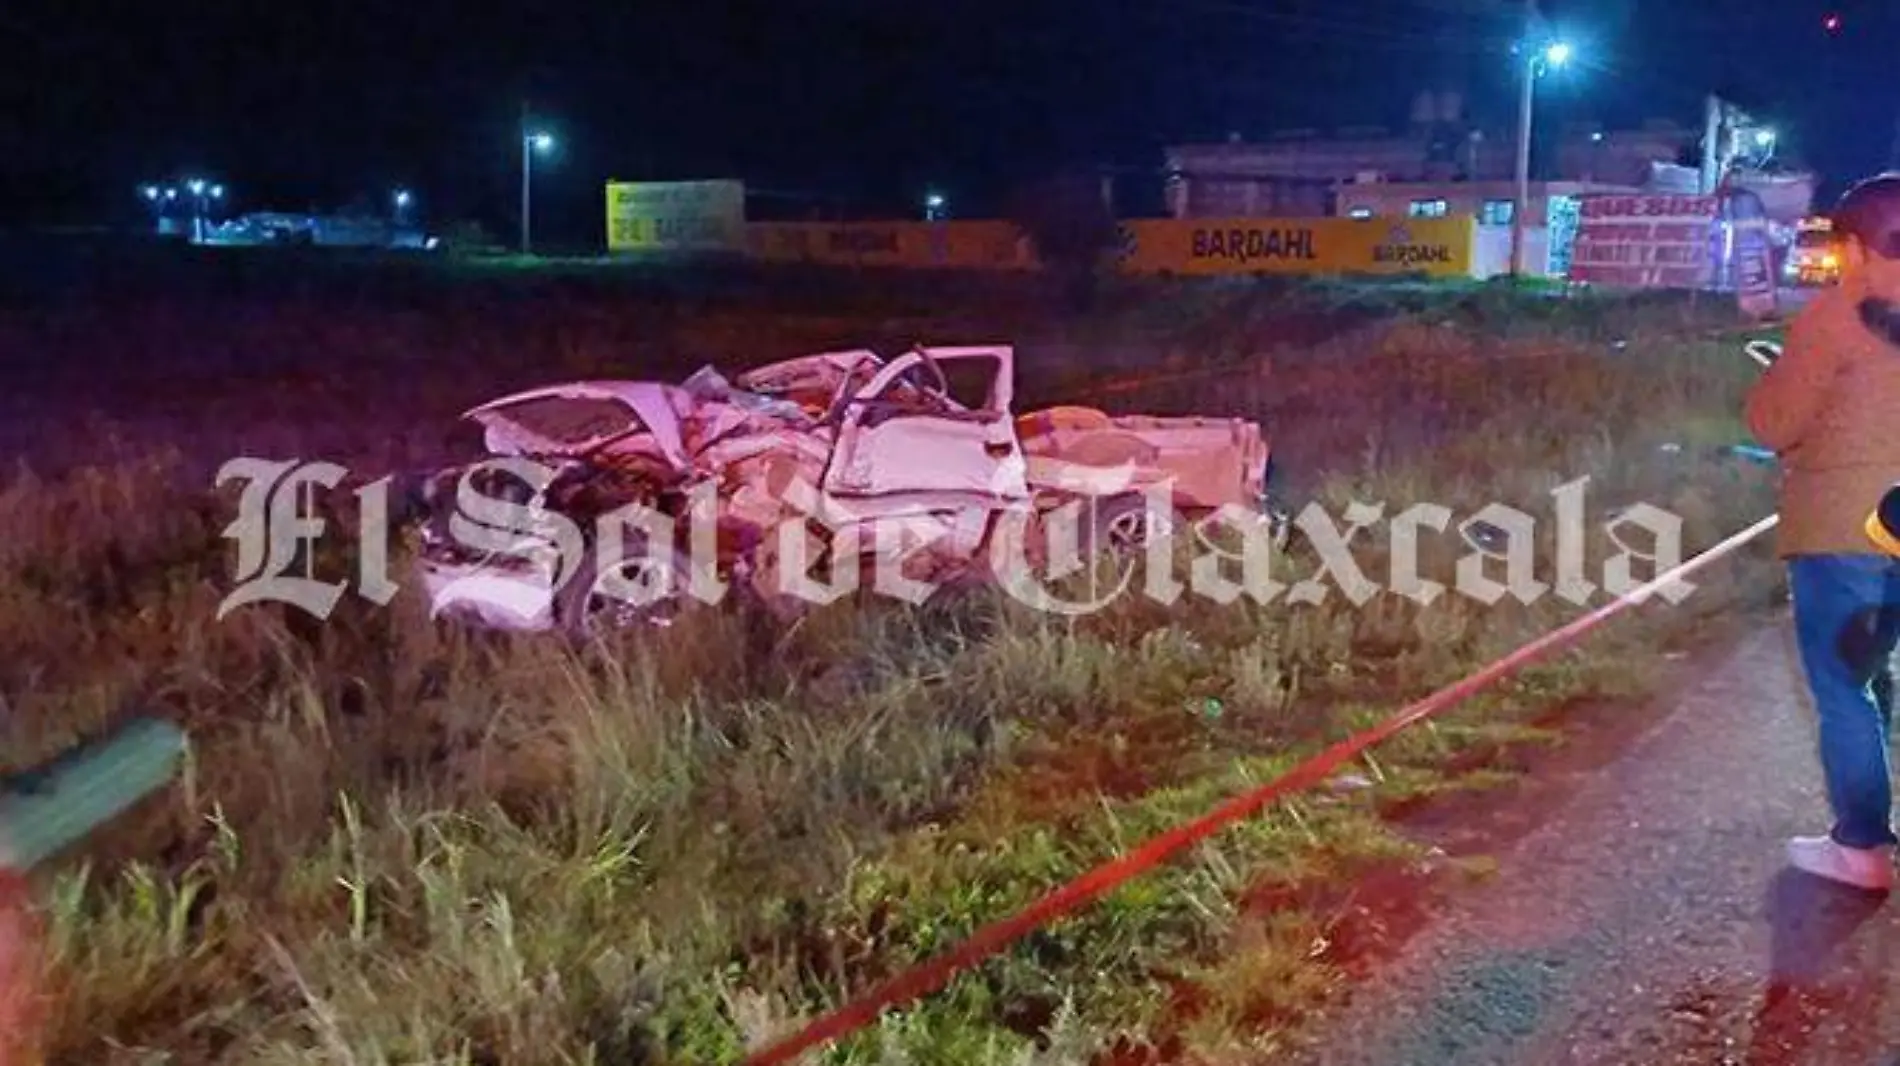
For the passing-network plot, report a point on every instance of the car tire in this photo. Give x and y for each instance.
(1123, 525)
(583, 607)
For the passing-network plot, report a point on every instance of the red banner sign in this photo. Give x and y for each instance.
(1645, 241)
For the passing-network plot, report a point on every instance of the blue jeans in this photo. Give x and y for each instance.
(1847, 620)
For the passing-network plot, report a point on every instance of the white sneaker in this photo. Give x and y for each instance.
(1868, 868)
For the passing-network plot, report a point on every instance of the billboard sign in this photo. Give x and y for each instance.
(1435, 247)
(676, 216)
(1645, 241)
(942, 245)
(1751, 262)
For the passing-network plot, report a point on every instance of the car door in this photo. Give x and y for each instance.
(904, 432)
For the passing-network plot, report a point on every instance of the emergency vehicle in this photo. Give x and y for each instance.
(1815, 258)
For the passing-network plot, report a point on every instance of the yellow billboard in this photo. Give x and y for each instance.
(985, 245)
(1436, 247)
(676, 216)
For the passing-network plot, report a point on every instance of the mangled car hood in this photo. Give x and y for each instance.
(675, 425)
(585, 417)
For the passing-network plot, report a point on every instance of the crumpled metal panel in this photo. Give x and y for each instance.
(849, 439)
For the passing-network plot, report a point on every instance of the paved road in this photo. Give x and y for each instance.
(1649, 919)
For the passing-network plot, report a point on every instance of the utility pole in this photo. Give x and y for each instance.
(1521, 206)
(1711, 142)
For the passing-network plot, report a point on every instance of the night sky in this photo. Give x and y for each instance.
(865, 101)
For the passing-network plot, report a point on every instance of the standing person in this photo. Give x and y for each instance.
(1830, 409)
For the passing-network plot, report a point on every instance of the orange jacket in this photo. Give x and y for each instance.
(1830, 409)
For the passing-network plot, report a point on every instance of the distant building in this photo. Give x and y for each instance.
(1297, 171)
(1623, 157)
(338, 231)
(1551, 209)
(1444, 165)
(1490, 202)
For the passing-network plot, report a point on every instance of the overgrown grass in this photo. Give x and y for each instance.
(399, 842)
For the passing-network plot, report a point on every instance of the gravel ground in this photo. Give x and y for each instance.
(1648, 918)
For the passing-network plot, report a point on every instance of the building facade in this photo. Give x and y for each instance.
(1550, 217)
(1492, 203)
(1296, 169)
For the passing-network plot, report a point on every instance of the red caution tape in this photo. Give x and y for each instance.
(1142, 382)
(934, 973)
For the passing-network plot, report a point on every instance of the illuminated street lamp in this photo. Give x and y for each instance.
(201, 193)
(1762, 139)
(532, 142)
(198, 188)
(1555, 54)
(934, 205)
(154, 198)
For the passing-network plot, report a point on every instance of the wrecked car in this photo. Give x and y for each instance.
(827, 461)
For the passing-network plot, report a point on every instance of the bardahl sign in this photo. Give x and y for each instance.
(1247, 245)
(1439, 247)
(1645, 241)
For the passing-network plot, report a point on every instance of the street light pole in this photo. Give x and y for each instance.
(1537, 56)
(531, 142)
(1520, 204)
(197, 188)
(527, 170)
